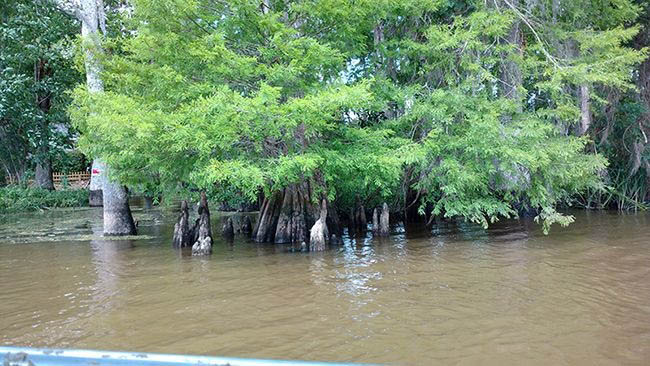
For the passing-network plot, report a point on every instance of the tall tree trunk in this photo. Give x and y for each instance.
(43, 173)
(117, 214)
(642, 40)
(89, 17)
(511, 72)
(511, 76)
(97, 180)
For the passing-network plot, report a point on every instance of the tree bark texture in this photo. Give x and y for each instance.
(89, 15)
(362, 223)
(97, 179)
(585, 109)
(352, 222)
(318, 234)
(113, 194)
(43, 174)
(228, 229)
(117, 213)
(285, 216)
(202, 230)
(384, 228)
(334, 222)
(375, 221)
(246, 225)
(511, 77)
(148, 202)
(182, 235)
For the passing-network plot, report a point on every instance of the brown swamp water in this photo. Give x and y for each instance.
(455, 295)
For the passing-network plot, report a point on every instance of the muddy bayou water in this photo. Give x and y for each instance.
(454, 295)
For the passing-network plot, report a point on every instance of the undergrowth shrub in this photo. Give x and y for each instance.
(20, 198)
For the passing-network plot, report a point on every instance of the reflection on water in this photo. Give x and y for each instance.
(455, 295)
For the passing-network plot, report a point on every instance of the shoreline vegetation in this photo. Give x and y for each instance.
(16, 198)
(333, 114)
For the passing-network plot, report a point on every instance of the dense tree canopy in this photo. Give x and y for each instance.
(473, 109)
(37, 55)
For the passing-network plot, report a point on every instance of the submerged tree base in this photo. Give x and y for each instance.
(95, 198)
(202, 232)
(285, 216)
(118, 220)
(182, 235)
(318, 235)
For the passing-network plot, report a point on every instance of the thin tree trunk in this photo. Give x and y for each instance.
(43, 173)
(585, 110)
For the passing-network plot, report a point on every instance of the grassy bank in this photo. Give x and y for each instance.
(17, 198)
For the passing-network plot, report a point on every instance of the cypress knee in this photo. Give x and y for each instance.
(247, 225)
(352, 223)
(182, 237)
(361, 219)
(228, 229)
(318, 234)
(375, 221)
(203, 243)
(384, 229)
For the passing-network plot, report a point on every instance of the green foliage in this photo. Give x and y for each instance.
(69, 161)
(18, 198)
(242, 112)
(470, 104)
(36, 69)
